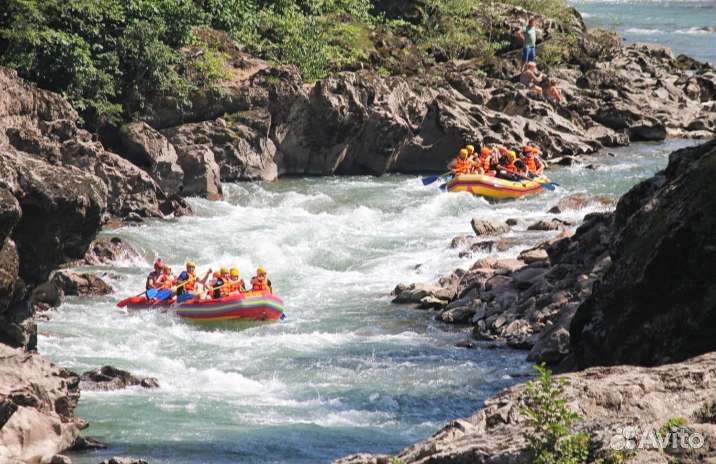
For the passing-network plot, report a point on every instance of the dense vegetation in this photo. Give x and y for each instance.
(109, 56)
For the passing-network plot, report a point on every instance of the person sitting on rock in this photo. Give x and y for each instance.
(551, 90)
(531, 78)
(154, 275)
(461, 164)
(236, 284)
(535, 165)
(260, 282)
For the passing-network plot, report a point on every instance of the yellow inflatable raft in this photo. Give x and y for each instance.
(494, 187)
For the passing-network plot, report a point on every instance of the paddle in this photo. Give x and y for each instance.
(549, 185)
(430, 179)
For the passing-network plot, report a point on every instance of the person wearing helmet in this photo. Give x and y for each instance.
(154, 275)
(461, 164)
(187, 280)
(485, 161)
(532, 160)
(236, 283)
(260, 282)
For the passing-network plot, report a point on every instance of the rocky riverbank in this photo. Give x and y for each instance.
(60, 184)
(617, 403)
(631, 283)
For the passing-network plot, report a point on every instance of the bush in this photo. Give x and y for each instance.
(550, 423)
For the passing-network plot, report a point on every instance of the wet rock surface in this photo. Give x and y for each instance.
(110, 378)
(647, 261)
(607, 398)
(657, 301)
(37, 402)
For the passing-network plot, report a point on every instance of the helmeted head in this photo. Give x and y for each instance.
(234, 272)
(470, 149)
(511, 155)
(485, 151)
(224, 272)
(190, 266)
(166, 269)
(463, 154)
(216, 274)
(158, 264)
(261, 271)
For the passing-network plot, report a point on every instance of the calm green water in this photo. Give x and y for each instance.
(346, 371)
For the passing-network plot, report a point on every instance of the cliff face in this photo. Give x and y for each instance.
(267, 122)
(657, 301)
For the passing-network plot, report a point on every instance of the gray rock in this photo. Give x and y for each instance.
(486, 227)
(111, 378)
(552, 224)
(82, 284)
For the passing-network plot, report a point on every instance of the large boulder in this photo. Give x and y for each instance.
(150, 150)
(62, 209)
(38, 402)
(79, 284)
(239, 143)
(657, 301)
(201, 173)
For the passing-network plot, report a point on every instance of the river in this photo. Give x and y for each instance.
(346, 371)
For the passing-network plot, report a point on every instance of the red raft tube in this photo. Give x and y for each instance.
(249, 306)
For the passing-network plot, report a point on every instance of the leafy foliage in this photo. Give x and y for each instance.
(108, 57)
(550, 435)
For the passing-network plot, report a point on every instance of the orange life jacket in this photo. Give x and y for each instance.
(189, 284)
(530, 163)
(462, 166)
(164, 281)
(236, 286)
(260, 285)
(510, 167)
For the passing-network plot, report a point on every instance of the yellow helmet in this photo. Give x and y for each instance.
(190, 264)
(234, 272)
(512, 155)
(261, 270)
(470, 149)
(223, 270)
(463, 153)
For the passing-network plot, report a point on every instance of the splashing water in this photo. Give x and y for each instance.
(346, 371)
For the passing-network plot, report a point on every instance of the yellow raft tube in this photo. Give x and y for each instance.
(494, 187)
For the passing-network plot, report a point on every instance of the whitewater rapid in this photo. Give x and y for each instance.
(346, 371)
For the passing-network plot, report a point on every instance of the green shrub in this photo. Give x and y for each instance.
(550, 423)
(672, 423)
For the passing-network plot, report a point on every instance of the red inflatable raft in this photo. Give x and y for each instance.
(250, 306)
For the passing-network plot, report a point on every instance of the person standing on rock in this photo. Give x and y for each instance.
(528, 36)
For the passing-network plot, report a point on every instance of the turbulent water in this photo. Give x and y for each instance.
(346, 371)
(686, 26)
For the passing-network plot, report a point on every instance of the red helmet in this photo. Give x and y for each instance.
(158, 264)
